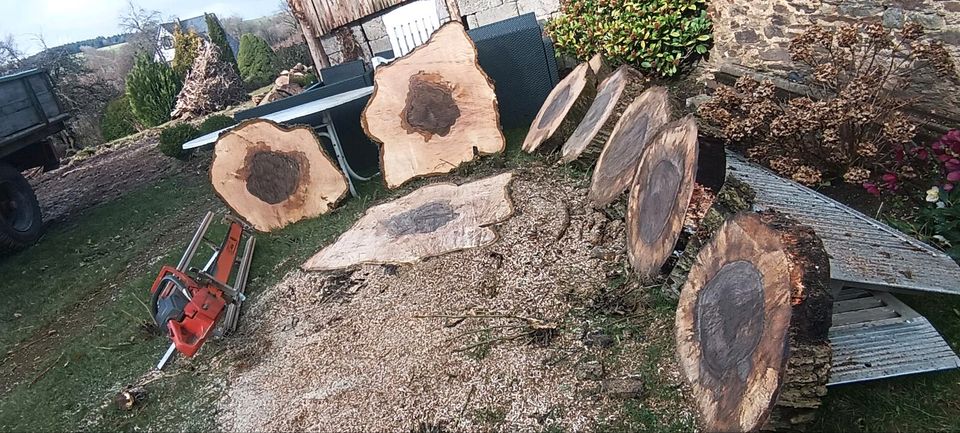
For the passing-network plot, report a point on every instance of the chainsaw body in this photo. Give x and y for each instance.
(195, 304)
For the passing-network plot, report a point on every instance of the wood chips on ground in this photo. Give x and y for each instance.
(351, 351)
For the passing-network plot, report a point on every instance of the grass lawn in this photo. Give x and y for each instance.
(73, 332)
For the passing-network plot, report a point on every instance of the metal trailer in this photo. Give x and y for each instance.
(29, 114)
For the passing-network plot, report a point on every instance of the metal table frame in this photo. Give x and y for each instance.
(326, 128)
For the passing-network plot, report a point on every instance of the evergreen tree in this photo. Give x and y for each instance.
(219, 38)
(186, 45)
(152, 89)
(256, 61)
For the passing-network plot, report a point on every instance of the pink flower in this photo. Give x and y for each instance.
(921, 153)
(954, 176)
(872, 188)
(948, 187)
(944, 157)
(952, 164)
(898, 153)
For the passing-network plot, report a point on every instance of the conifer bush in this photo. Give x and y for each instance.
(256, 61)
(117, 121)
(218, 37)
(186, 46)
(152, 89)
(173, 137)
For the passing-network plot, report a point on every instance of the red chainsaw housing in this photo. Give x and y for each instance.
(199, 316)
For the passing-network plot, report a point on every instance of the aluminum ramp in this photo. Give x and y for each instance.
(874, 335)
(864, 252)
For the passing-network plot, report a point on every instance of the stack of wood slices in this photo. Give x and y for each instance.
(754, 306)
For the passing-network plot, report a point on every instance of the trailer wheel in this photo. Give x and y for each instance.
(20, 220)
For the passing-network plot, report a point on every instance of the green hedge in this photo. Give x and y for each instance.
(186, 46)
(173, 137)
(219, 38)
(659, 37)
(117, 121)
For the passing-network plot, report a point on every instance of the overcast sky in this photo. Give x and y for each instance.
(65, 21)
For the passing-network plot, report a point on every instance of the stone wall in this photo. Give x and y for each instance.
(372, 36)
(756, 34)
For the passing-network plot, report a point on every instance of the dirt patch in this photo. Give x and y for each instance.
(483, 339)
(101, 178)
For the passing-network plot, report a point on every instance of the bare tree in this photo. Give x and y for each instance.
(11, 57)
(143, 24)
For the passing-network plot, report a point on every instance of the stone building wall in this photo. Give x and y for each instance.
(756, 34)
(372, 36)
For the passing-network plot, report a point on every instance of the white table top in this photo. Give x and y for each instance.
(291, 113)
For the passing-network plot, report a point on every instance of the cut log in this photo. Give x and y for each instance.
(613, 97)
(433, 109)
(661, 191)
(600, 67)
(752, 323)
(562, 111)
(428, 222)
(273, 176)
(618, 160)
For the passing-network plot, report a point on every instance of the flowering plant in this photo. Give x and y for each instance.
(855, 128)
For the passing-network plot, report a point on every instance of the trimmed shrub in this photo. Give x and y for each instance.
(256, 61)
(152, 89)
(117, 121)
(289, 56)
(219, 38)
(659, 37)
(215, 123)
(186, 46)
(172, 137)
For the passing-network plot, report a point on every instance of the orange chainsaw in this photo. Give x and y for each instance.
(194, 304)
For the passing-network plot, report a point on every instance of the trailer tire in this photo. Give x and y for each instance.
(21, 223)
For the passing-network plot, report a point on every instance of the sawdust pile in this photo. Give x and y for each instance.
(351, 351)
(210, 86)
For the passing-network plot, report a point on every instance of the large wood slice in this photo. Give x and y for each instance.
(273, 176)
(433, 109)
(617, 164)
(661, 191)
(430, 221)
(752, 323)
(613, 96)
(562, 111)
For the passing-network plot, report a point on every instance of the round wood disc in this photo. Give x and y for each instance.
(563, 102)
(661, 191)
(618, 160)
(433, 109)
(732, 324)
(602, 114)
(272, 176)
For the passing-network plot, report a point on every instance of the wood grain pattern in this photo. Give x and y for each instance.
(433, 109)
(562, 111)
(327, 15)
(613, 96)
(661, 191)
(752, 323)
(273, 176)
(433, 220)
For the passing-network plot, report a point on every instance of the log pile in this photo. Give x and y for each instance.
(288, 83)
(433, 109)
(273, 176)
(211, 85)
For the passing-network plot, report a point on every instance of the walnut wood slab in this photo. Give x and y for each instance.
(752, 323)
(273, 176)
(433, 109)
(428, 222)
(562, 111)
(613, 96)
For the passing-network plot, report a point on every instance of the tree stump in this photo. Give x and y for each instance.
(617, 164)
(272, 176)
(613, 96)
(752, 323)
(433, 109)
(428, 222)
(661, 191)
(562, 111)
